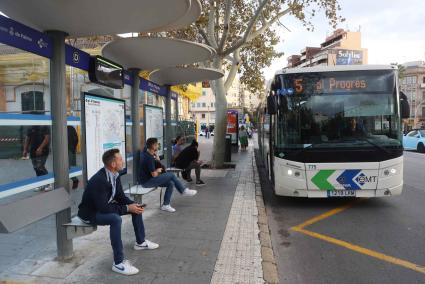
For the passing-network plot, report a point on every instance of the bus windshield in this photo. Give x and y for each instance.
(345, 109)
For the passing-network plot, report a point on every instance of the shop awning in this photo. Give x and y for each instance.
(191, 91)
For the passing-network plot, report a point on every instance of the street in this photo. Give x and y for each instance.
(351, 240)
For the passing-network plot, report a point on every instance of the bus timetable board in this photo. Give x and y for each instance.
(154, 126)
(103, 121)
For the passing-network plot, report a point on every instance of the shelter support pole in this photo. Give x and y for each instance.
(59, 138)
(135, 128)
(168, 126)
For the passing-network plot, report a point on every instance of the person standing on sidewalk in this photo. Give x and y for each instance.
(243, 138)
(104, 202)
(188, 160)
(153, 176)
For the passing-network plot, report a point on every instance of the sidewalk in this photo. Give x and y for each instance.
(212, 238)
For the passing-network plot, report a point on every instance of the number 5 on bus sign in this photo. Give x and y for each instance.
(298, 85)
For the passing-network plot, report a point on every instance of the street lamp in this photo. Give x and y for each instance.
(416, 111)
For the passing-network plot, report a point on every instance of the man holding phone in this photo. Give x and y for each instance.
(152, 175)
(104, 202)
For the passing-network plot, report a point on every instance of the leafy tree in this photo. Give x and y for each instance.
(243, 35)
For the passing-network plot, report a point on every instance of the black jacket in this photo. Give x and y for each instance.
(96, 196)
(188, 155)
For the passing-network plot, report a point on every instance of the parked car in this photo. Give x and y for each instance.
(201, 133)
(415, 140)
(212, 133)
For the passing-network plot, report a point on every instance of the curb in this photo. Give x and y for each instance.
(270, 274)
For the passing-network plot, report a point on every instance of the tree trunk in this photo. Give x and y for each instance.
(220, 117)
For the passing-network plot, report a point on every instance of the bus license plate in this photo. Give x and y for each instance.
(341, 193)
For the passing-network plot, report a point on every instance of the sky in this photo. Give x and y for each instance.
(392, 31)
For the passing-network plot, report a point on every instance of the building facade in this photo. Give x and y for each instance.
(413, 85)
(203, 109)
(341, 48)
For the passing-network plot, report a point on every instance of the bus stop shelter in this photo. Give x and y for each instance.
(58, 20)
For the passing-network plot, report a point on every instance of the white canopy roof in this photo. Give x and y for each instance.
(184, 75)
(81, 18)
(150, 53)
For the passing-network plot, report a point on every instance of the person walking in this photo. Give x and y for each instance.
(152, 175)
(103, 204)
(37, 145)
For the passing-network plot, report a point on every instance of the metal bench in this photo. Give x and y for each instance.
(137, 191)
(177, 171)
(77, 228)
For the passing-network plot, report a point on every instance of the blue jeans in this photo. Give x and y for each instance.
(114, 221)
(168, 180)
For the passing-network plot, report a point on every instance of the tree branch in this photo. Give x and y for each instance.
(249, 29)
(226, 26)
(204, 35)
(268, 24)
(233, 70)
(211, 25)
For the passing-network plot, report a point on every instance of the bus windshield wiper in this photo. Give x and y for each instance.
(374, 144)
(303, 150)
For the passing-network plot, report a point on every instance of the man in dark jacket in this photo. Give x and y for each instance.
(104, 202)
(72, 152)
(187, 160)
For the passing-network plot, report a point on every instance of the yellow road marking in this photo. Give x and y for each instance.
(324, 216)
(362, 250)
(390, 259)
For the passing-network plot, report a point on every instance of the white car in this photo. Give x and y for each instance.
(415, 140)
(201, 133)
(212, 133)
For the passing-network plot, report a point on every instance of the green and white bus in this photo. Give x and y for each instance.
(334, 131)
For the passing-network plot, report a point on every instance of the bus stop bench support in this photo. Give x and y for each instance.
(177, 171)
(77, 228)
(137, 192)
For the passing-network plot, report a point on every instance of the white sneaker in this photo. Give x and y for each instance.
(125, 268)
(146, 245)
(48, 188)
(168, 208)
(189, 192)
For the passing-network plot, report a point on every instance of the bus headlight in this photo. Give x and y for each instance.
(294, 173)
(390, 172)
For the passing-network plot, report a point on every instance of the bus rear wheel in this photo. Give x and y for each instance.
(421, 148)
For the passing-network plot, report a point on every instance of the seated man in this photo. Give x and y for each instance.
(104, 202)
(152, 175)
(187, 160)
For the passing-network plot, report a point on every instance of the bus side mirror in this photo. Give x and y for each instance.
(271, 105)
(404, 106)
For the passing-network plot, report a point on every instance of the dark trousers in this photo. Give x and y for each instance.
(194, 165)
(39, 165)
(114, 222)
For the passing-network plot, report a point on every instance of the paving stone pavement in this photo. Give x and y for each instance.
(239, 259)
